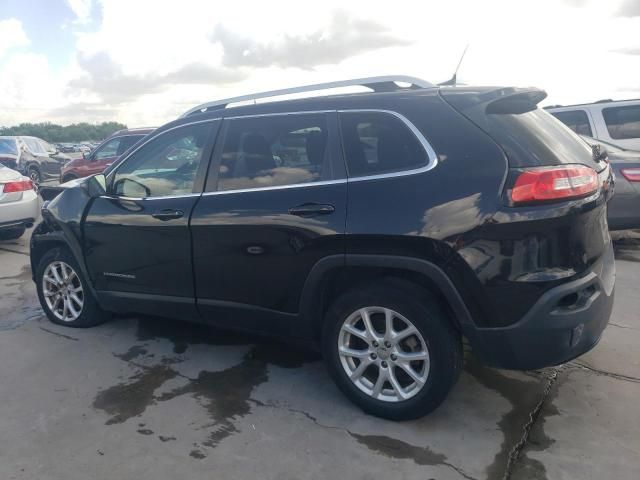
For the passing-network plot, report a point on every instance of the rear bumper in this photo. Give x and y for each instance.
(566, 322)
(21, 212)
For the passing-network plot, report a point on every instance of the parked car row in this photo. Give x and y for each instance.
(33, 157)
(379, 228)
(103, 154)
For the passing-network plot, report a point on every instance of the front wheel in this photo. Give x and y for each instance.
(63, 292)
(391, 350)
(34, 175)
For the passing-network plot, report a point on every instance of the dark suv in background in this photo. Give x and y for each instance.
(382, 227)
(103, 155)
(33, 157)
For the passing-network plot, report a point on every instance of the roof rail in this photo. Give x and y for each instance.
(377, 84)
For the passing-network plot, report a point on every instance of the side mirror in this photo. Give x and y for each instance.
(84, 156)
(97, 185)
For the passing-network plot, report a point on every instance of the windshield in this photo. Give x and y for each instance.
(8, 145)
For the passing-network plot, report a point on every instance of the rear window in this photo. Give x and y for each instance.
(622, 122)
(8, 145)
(576, 120)
(530, 136)
(536, 138)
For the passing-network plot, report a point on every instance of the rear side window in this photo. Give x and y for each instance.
(622, 122)
(8, 145)
(274, 150)
(378, 142)
(127, 142)
(576, 120)
(107, 150)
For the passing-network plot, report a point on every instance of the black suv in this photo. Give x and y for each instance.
(383, 227)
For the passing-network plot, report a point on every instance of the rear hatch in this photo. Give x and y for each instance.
(551, 222)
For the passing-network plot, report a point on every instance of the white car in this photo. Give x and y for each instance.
(19, 204)
(616, 122)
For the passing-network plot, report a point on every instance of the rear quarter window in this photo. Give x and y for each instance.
(379, 142)
(622, 122)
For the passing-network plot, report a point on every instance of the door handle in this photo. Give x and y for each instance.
(168, 214)
(312, 209)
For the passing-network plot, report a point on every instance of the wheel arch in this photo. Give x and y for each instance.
(335, 274)
(42, 241)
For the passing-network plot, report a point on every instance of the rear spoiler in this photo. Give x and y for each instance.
(499, 101)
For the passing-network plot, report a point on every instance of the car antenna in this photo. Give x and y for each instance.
(452, 80)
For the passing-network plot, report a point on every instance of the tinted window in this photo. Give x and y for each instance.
(377, 142)
(622, 122)
(127, 142)
(167, 165)
(34, 146)
(108, 150)
(8, 145)
(274, 150)
(576, 120)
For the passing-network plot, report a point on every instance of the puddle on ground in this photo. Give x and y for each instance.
(225, 394)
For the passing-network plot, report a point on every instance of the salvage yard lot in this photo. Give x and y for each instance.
(150, 398)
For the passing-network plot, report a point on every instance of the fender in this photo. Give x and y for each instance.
(309, 297)
(40, 240)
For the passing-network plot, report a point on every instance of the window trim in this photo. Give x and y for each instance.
(202, 168)
(431, 154)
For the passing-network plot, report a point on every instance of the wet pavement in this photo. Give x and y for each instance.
(150, 398)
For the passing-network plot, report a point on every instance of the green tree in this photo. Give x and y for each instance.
(76, 132)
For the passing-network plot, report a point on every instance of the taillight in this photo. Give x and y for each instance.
(19, 186)
(631, 174)
(554, 183)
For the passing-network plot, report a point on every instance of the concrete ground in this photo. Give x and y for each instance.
(155, 399)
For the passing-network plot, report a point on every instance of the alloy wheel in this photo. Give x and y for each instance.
(383, 354)
(62, 291)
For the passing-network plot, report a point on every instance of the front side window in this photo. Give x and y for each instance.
(108, 150)
(378, 142)
(576, 120)
(622, 122)
(273, 151)
(167, 165)
(34, 146)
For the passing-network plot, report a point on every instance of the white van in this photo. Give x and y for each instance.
(616, 122)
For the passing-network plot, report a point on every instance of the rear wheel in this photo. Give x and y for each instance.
(63, 292)
(12, 233)
(34, 175)
(391, 350)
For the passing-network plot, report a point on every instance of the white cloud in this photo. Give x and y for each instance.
(12, 35)
(146, 61)
(81, 9)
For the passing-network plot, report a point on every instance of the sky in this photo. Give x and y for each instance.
(145, 62)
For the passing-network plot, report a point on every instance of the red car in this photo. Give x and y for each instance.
(103, 155)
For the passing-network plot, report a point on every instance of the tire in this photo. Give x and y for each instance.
(12, 233)
(86, 313)
(437, 372)
(34, 175)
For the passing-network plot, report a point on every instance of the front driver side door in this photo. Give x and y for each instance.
(137, 240)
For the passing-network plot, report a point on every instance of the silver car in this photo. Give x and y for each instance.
(624, 207)
(19, 204)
